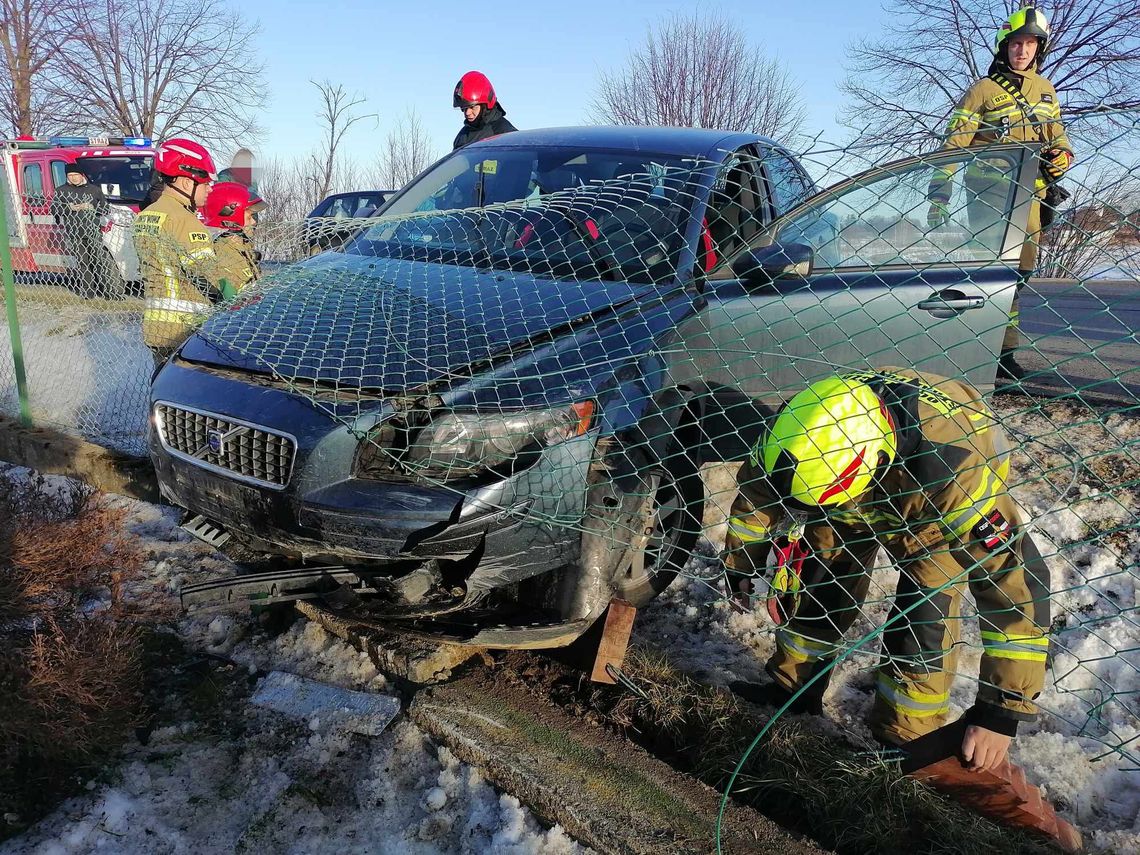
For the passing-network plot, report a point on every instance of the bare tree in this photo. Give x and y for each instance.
(701, 71)
(32, 34)
(905, 81)
(1098, 229)
(337, 114)
(158, 68)
(283, 186)
(407, 152)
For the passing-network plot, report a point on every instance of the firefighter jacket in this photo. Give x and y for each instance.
(942, 511)
(237, 263)
(988, 114)
(177, 261)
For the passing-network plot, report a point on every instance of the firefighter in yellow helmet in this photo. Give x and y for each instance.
(176, 255)
(916, 464)
(1014, 103)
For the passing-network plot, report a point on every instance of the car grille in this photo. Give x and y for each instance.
(234, 448)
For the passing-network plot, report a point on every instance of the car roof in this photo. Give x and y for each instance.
(693, 142)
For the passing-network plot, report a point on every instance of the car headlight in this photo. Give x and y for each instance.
(457, 444)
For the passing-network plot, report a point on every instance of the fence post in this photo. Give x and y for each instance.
(13, 315)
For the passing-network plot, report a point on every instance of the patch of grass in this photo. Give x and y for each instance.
(56, 296)
(805, 780)
(70, 681)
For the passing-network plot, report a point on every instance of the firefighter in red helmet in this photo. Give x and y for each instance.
(232, 208)
(176, 255)
(483, 115)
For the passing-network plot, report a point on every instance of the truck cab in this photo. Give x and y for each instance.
(32, 169)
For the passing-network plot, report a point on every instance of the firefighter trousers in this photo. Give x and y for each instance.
(919, 651)
(985, 206)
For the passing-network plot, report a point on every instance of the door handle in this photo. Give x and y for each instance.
(952, 301)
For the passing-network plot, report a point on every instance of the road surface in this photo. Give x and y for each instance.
(1088, 333)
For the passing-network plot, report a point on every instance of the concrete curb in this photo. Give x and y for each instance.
(58, 453)
(607, 793)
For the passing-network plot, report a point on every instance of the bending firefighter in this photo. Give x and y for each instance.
(916, 464)
(233, 208)
(1012, 104)
(176, 255)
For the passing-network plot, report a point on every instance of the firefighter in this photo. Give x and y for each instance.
(233, 208)
(81, 208)
(1014, 103)
(483, 115)
(176, 255)
(914, 463)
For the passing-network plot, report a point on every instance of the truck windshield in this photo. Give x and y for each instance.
(122, 179)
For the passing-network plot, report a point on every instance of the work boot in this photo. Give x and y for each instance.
(773, 694)
(1008, 369)
(767, 694)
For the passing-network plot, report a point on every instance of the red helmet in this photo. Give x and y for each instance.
(227, 203)
(474, 88)
(183, 157)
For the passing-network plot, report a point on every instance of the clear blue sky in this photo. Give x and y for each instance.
(544, 58)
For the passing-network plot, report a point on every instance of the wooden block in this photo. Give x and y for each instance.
(615, 639)
(1003, 794)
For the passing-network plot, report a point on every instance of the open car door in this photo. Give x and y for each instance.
(857, 277)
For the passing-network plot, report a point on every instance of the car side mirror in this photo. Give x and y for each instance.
(764, 266)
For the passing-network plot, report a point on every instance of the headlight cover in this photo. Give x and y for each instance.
(458, 445)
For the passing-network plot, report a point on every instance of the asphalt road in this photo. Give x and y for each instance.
(1088, 334)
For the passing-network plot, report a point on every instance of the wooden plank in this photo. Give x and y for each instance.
(615, 640)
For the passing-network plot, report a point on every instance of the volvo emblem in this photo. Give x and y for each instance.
(216, 440)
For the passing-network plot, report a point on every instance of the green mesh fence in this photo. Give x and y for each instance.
(540, 381)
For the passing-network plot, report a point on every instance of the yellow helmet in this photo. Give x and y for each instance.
(826, 443)
(1027, 21)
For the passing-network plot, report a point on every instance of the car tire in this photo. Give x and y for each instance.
(676, 515)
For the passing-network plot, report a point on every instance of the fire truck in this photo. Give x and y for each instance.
(34, 168)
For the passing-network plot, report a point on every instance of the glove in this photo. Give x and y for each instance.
(786, 583)
(938, 215)
(1055, 162)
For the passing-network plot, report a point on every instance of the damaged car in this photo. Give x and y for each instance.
(485, 417)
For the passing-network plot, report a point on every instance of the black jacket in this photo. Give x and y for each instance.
(490, 123)
(81, 203)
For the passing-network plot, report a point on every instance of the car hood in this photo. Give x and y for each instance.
(391, 325)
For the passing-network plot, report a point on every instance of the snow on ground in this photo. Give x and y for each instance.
(282, 786)
(102, 391)
(1076, 477)
(294, 788)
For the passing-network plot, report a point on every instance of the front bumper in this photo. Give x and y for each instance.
(509, 531)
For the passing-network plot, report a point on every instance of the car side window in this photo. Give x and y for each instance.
(786, 181)
(887, 221)
(34, 183)
(58, 173)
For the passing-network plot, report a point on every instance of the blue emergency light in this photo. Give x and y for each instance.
(134, 142)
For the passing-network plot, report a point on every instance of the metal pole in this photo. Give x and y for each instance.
(13, 315)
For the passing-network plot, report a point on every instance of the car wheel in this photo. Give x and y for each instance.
(673, 522)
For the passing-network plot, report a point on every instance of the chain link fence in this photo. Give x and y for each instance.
(588, 345)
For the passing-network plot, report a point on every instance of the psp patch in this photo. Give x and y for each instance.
(199, 237)
(993, 531)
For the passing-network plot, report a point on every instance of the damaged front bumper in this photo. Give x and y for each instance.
(413, 552)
